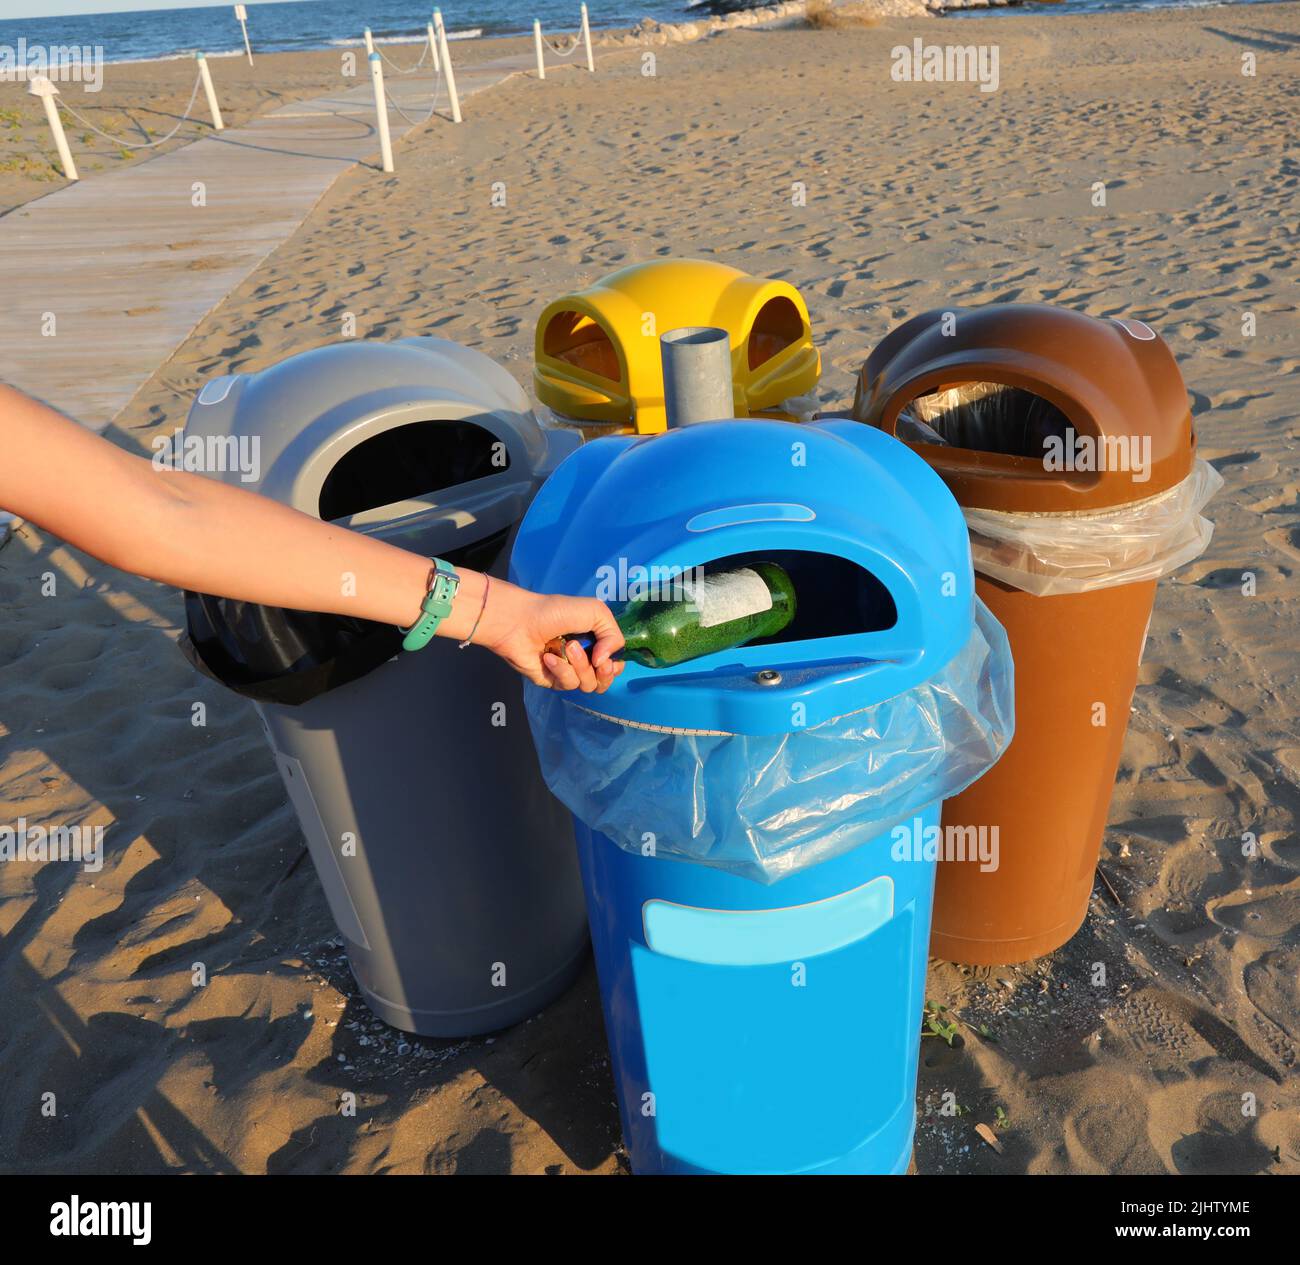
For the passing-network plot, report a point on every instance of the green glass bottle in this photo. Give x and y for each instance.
(719, 612)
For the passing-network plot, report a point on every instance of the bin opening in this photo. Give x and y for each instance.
(481, 555)
(834, 597)
(410, 461)
(777, 325)
(276, 655)
(985, 417)
(579, 341)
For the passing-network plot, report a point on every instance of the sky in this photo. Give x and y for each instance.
(64, 8)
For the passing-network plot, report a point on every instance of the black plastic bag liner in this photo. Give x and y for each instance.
(275, 655)
(984, 417)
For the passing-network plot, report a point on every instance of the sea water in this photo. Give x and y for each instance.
(303, 25)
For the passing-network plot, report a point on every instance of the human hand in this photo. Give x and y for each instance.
(517, 624)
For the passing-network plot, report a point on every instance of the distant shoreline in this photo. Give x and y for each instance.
(699, 13)
(474, 35)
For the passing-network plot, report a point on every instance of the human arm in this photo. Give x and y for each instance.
(196, 533)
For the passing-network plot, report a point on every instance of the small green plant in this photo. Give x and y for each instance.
(32, 168)
(938, 1023)
(1000, 1120)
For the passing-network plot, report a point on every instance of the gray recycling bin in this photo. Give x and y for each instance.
(448, 867)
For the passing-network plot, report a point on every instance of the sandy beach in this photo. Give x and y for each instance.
(917, 195)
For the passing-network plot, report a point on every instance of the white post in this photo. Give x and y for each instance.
(41, 87)
(447, 70)
(537, 43)
(242, 14)
(206, 75)
(586, 39)
(433, 47)
(370, 43)
(381, 110)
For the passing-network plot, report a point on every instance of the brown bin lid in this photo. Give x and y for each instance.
(1115, 380)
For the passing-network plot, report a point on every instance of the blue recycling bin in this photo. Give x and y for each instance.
(757, 829)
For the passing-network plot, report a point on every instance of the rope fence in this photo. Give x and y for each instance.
(385, 100)
(410, 70)
(43, 87)
(433, 104)
(581, 39)
(435, 49)
(161, 140)
(563, 52)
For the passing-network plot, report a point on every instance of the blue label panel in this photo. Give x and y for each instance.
(748, 937)
(782, 1067)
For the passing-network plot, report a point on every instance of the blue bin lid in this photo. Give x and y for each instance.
(668, 503)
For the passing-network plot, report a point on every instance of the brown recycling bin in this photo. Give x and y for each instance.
(1016, 407)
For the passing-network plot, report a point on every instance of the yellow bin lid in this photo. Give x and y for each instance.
(596, 356)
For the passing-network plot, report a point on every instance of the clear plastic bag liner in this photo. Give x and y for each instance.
(769, 806)
(803, 408)
(549, 419)
(1048, 554)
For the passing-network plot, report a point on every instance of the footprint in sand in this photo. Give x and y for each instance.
(1271, 913)
(1289, 759)
(1283, 846)
(1113, 1136)
(1206, 576)
(1272, 983)
(1223, 1143)
(1287, 539)
(1189, 705)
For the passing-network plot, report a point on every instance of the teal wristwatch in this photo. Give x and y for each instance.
(443, 583)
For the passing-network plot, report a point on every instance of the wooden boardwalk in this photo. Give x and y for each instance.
(104, 279)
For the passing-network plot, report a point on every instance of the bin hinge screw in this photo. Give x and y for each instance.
(768, 676)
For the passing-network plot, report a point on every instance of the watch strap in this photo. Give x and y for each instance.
(443, 583)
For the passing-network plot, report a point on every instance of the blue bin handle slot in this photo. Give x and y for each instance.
(739, 515)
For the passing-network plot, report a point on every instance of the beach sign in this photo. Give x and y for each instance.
(241, 16)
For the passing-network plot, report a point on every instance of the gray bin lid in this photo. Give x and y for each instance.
(301, 423)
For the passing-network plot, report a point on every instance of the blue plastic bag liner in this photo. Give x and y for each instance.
(766, 806)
